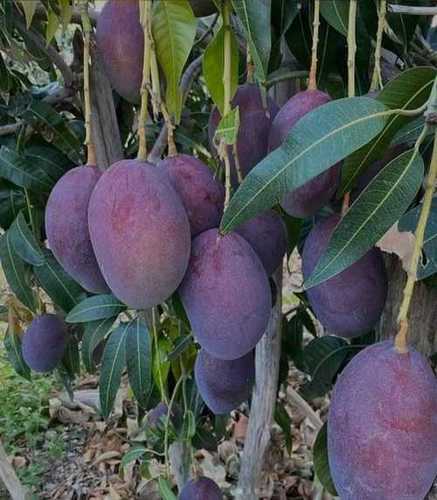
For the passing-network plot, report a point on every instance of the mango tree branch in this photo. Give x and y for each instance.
(312, 84)
(401, 338)
(413, 11)
(377, 73)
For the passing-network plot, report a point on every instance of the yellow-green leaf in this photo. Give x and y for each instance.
(53, 23)
(29, 8)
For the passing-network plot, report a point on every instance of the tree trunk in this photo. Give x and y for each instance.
(262, 409)
(423, 311)
(10, 479)
(106, 134)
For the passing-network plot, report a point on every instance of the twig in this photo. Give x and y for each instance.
(145, 13)
(86, 27)
(51, 53)
(401, 343)
(187, 80)
(298, 401)
(412, 11)
(352, 46)
(312, 84)
(10, 479)
(377, 73)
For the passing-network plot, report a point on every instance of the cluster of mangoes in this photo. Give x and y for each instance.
(144, 232)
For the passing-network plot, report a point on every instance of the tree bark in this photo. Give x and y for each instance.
(262, 409)
(10, 479)
(423, 311)
(106, 134)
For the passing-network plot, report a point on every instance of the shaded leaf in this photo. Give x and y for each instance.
(12, 346)
(53, 23)
(60, 286)
(93, 335)
(113, 364)
(228, 127)
(165, 489)
(94, 308)
(139, 360)
(71, 359)
(174, 31)
(181, 345)
(321, 462)
(320, 139)
(409, 90)
(17, 272)
(212, 68)
(336, 13)
(411, 132)
(378, 207)
(282, 418)
(24, 242)
(12, 200)
(133, 455)
(58, 132)
(5, 78)
(29, 8)
(21, 171)
(255, 17)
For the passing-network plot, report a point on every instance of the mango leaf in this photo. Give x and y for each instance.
(427, 266)
(411, 132)
(283, 419)
(94, 308)
(133, 455)
(55, 129)
(165, 489)
(174, 31)
(71, 359)
(94, 333)
(5, 79)
(409, 90)
(21, 171)
(12, 346)
(321, 462)
(17, 272)
(139, 360)
(212, 68)
(255, 17)
(66, 12)
(320, 139)
(59, 285)
(336, 13)
(48, 160)
(12, 200)
(283, 14)
(228, 127)
(53, 23)
(113, 364)
(24, 242)
(378, 207)
(29, 8)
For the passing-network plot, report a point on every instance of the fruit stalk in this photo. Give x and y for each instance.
(227, 76)
(145, 12)
(377, 76)
(312, 83)
(87, 28)
(401, 338)
(352, 47)
(351, 53)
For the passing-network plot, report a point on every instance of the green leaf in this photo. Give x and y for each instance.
(21, 171)
(321, 462)
(5, 79)
(17, 272)
(53, 23)
(189, 426)
(94, 333)
(12, 346)
(255, 16)
(174, 31)
(319, 140)
(56, 129)
(212, 67)
(24, 242)
(59, 285)
(410, 90)
(336, 13)
(113, 364)
(12, 200)
(71, 359)
(411, 132)
(181, 345)
(48, 160)
(282, 418)
(228, 127)
(29, 8)
(165, 489)
(283, 15)
(139, 360)
(378, 207)
(94, 308)
(133, 455)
